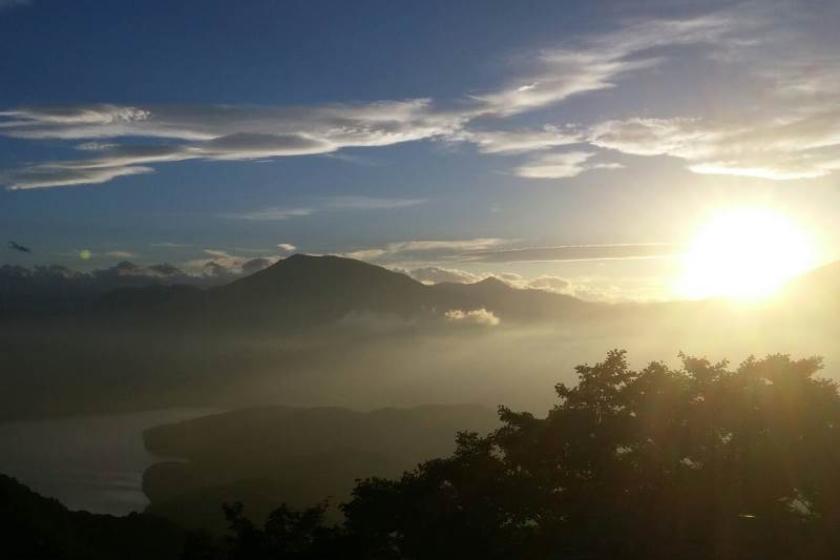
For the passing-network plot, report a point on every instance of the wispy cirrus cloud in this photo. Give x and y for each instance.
(560, 165)
(597, 63)
(210, 133)
(225, 132)
(576, 253)
(67, 174)
(498, 250)
(171, 245)
(272, 214)
(370, 203)
(519, 140)
(327, 204)
(792, 146)
(795, 136)
(423, 250)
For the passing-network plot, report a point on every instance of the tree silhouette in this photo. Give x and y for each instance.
(696, 462)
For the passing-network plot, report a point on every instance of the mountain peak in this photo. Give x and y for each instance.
(326, 274)
(321, 263)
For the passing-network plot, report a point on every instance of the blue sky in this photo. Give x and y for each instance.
(454, 135)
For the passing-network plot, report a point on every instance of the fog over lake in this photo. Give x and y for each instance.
(92, 463)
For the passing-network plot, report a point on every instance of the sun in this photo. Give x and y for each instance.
(745, 254)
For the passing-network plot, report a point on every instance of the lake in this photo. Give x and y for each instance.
(92, 463)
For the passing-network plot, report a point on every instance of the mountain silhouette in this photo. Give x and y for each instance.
(820, 283)
(304, 291)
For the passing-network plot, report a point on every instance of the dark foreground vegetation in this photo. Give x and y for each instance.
(36, 528)
(700, 462)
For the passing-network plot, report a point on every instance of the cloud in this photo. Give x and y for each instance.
(598, 63)
(66, 174)
(793, 146)
(171, 245)
(274, 214)
(495, 250)
(599, 289)
(563, 74)
(336, 203)
(794, 135)
(258, 133)
(217, 132)
(518, 141)
(371, 203)
(286, 247)
(120, 254)
(87, 254)
(576, 253)
(244, 146)
(437, 275)
(481, 317)
(228, 130)
(222, 264)
(550, 284)
(423, 250)
(560, 165)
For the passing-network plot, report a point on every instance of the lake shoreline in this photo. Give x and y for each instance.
(89, 462)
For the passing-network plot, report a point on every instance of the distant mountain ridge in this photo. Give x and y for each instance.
(58, 288)
(301, 290)
(822, 283)
(306, 290)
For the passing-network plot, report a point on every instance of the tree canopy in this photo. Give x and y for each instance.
(702, 461)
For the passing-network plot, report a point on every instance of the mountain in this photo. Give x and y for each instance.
(516, 303)
(307, 290)
(329, 330)
(49, 290)
(304, 291)
(819, 287)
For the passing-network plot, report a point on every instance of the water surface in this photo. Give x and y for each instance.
(92, 463)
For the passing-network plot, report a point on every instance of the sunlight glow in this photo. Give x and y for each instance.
(745, 254)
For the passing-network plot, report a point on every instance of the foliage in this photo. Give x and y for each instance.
(697, 462)
(693, 463)
(36, 528)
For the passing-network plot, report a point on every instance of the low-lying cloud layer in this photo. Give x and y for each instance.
(481, 317)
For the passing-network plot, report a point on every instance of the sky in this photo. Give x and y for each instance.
(576, 145)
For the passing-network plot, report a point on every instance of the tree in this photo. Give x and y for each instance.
(696, 462)
(699, 462)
